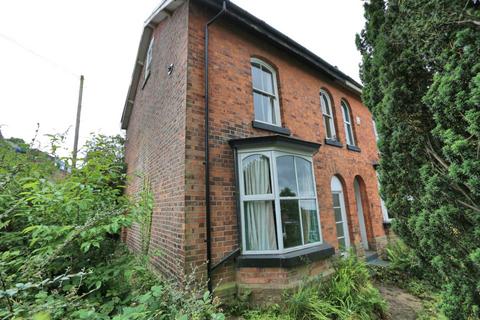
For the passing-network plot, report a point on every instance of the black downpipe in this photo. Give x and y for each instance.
(207, 155)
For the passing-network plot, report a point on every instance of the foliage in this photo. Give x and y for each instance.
(346, 294)
(421, 77)
(404, 271)
(60, 255)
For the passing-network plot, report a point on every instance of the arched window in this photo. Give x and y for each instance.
(347, 122)
(340, 214)
(327, 112)
(265, 93)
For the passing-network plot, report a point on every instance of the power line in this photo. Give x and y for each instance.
(38, 55)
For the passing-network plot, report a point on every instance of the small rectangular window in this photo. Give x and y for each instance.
(148, 59)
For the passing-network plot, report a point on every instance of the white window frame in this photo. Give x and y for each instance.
(386, 218)
(276, 103)
(272, 154)
(327, 113)
(347, 122)
(343, 210)
(375, 132)
(148, 59)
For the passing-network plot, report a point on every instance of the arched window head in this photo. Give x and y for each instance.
(327, 111)
(347, 123)
(265, 93)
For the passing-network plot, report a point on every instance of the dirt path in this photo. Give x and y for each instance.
(402, 305)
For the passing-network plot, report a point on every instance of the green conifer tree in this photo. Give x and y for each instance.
(421, 75)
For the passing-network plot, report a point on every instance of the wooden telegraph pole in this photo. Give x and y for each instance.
(77, 124)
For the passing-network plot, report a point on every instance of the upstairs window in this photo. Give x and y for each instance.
(265, 93)
(148, 59)
(347, 122)
(327, 112)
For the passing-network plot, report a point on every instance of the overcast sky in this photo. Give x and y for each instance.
(45, 46)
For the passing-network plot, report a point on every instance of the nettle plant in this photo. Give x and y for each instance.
(59, 229)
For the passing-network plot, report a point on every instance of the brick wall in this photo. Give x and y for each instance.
(231, 114)
(165, 141)
(156, 146)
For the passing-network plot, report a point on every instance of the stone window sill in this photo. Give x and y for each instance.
(287, 260)
(334, 143)
(269, 127)
(353, 148)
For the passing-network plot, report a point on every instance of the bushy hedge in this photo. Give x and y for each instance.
(60, 253)
(421, 75)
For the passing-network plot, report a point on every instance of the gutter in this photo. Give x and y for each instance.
(207, 153)
(283, 42)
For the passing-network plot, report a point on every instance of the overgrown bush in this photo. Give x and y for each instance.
(421, 76)
(347, 294)
(60, 255)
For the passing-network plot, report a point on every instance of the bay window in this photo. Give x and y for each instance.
(278, 200)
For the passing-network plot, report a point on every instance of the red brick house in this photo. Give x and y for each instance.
(260, 154)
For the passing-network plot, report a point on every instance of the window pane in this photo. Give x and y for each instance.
(258, 107)
(267, 81)
(349, 134)
(328, 127)
(256, 76)
(267, 103)
(309, 221)
(260, 225)
(340, 232)
(341, 243)
(286, 177)
(338, 214)
(336, 200)
(256, 175)
(346, 113)
(305, 177)
(292, 235)
(325, 104)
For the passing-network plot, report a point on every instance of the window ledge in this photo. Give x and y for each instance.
(270, 127)
(334, 143)
(287, 260)
(353, 148)
(387, 223)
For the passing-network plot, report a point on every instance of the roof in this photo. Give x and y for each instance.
(250, 22)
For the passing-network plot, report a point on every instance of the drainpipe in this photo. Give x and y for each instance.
(207, 155)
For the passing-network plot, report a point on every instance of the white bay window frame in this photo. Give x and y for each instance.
(272, 154)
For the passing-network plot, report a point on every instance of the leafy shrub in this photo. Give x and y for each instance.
(347, 294)
(60, 255)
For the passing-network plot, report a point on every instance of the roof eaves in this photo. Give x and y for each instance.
(247, 19)
(164, 10)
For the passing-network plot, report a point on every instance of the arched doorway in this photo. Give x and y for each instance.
(362, 209)
(339, 209)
